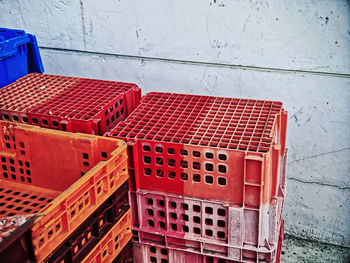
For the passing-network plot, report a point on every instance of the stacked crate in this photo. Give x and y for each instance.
(207, 178)
(67, 103)
(75, 184)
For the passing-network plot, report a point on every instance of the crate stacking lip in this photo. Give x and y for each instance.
(157, 252)
(68, 103)
(205, 147)
(61, 177)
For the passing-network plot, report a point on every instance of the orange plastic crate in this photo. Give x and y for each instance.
(112, 243)
(69, 104)
(62, 177)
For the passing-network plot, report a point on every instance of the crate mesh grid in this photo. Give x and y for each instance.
(199, 120)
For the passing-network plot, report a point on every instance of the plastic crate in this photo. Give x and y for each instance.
(19, 55)
(280, 241)
(62, 177)
(125, 255)
(205, 147)
(89, 233)
(158, 252)
(68, 104)
(15, 239)
(112, 243)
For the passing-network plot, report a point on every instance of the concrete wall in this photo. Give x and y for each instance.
(294, 51)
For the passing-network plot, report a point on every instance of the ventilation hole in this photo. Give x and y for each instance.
(6, 117)
(221, 212)
(221, 180)
(150, 201)
(173, 227)
(147, 159)
(171, 162)
(222, 157)
(222, 168)
(222, 260)
(183, 164)
(146, 148)
(159, 160)
(29, 180)
(160, 173)
(173, 205)
(210, 260)
(197, 230)
(11, 161)
(27, 164)
(209, 221)
(209, 155)
(161, 213)
(106, 112)
(185, 228)
(196, 154)
(196, 178)
(196, 219)
(150, 212)
(171, 174)
(221, 223)
(171, 151)
(35, 121)
(112, 118)
(209, 232)
(183, 152)
(13, 176)
(196, 208)
(4, 167)
(82, 173)
(150, 223)
(209, 167)
(209, 179)
(5, 175)
(64, 127)
(8, 145)
(28, 172)
(159, 149)
(104, 154)
(162, 224)
(148, 171)
(153, 249)
(107, 122)
(85, 163)
(161, 203)
(44, 122)
(153, 260)
(3, 159)
(221, 234)
(111, 108)
(185, 206)
(185, 217)
(164, 252)
(85, 156)
(209, 210)
(122, 111)
(21, 144)
(173, 215)
(117, 114)
(116, 105)
(163, 260)
(196, 166)
(184, 176)
(24, 119)
(55, 123)
(22, 152)
(15, 117)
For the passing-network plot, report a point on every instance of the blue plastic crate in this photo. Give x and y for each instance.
(19, 55)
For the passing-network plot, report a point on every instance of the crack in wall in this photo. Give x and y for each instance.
(317, 155)
(319, 183)
(83, 22)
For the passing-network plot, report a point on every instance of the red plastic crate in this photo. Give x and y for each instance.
(125, 255)
(69, 104)
(61, 177)
(280, 242)
(205, 147)
(156, 253)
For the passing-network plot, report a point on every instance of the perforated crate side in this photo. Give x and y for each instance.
(153, 247)
(89, 233)
(112, 243)
(125, 255)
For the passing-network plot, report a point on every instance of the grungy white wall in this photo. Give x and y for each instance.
(294, 51)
